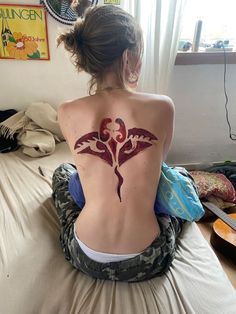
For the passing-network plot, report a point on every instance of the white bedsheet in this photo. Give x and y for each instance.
(36, 279)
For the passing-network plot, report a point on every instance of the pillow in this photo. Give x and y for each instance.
(214, 184)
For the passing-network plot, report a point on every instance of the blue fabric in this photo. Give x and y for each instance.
(75, 189)
(175, 195)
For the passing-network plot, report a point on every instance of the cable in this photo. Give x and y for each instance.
(231, 135)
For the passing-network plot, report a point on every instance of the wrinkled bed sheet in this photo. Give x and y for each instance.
(35, 278)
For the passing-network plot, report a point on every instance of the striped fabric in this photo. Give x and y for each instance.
(67, 11)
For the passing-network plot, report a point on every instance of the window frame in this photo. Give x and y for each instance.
(195, 58)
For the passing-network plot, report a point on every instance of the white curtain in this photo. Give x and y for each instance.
(160, 21)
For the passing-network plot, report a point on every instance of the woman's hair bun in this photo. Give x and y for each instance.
(68, 38)
(72, 38)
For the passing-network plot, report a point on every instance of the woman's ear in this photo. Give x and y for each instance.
(131, 68)
(125, 61)
(125, 66)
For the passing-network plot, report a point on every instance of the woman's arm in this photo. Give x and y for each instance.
(169, 117)
(63, 115)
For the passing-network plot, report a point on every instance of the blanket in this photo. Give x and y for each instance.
(37, 129)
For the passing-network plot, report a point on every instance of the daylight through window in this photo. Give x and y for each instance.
(217, 25)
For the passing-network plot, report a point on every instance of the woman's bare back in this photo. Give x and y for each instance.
(118, 140)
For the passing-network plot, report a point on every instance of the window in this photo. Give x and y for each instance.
(217, 21)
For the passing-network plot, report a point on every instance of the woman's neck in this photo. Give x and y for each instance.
(110, 82)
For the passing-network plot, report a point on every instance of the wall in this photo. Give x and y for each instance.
(201, 133)
(54, 81)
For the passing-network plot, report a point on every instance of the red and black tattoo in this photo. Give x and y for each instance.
(114, 144)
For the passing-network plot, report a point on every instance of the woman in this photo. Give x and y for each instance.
(119, 139)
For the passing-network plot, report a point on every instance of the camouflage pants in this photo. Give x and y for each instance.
(153, 261)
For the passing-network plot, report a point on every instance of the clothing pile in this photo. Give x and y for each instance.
(7, 144)
(36, 129)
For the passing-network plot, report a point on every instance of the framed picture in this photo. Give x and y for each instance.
(67, 11)
(23, 31)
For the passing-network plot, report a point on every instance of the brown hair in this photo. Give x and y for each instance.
(98, 40)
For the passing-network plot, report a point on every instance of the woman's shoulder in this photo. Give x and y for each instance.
(156, 102)
(71, 104)
(158, 98)
(67, 113)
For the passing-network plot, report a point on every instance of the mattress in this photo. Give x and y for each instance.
(36, 278)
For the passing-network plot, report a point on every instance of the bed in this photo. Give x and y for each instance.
(36, 278)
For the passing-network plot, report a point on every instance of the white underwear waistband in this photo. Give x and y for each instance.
(100, 256)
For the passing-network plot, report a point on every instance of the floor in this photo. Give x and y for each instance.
(229, 266)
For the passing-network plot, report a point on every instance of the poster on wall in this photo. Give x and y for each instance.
(23, 31)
